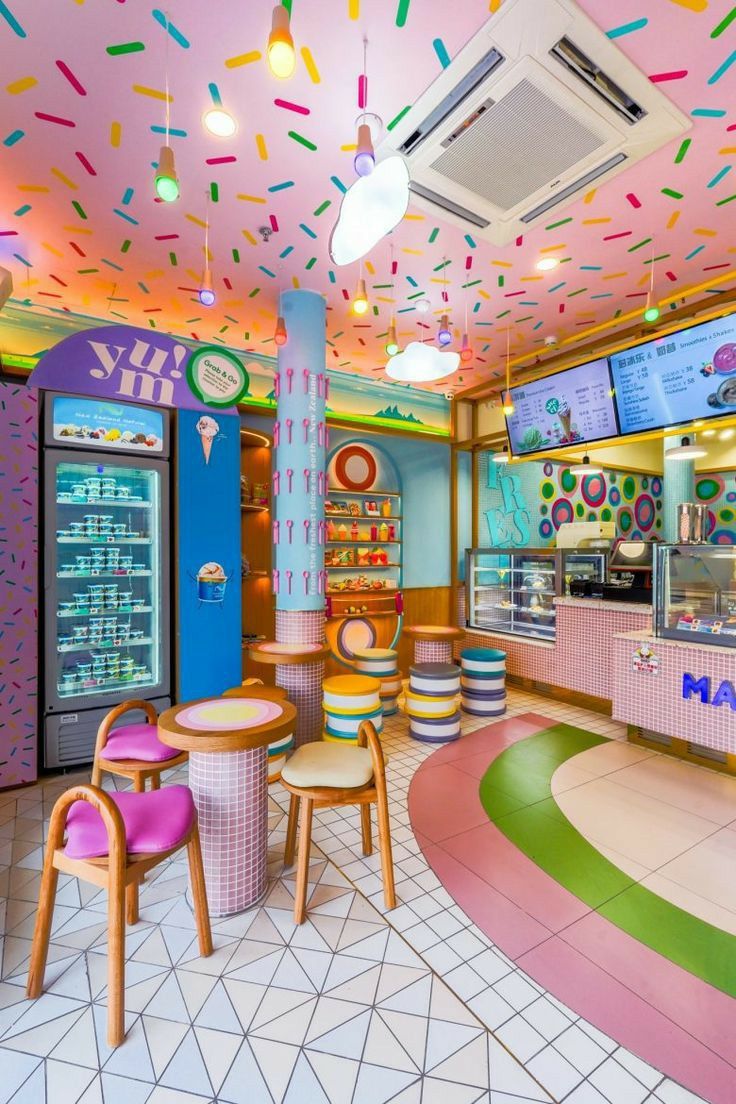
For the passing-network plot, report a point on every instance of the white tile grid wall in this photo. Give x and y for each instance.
(655, 701)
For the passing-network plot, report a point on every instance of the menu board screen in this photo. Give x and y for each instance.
(571, 407)
(686, 375)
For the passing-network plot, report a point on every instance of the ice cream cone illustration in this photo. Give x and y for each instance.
(565, 415)
(207, 428)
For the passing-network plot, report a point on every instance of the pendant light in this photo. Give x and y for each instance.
(585, 467)
(280, 53)
(364, 161)
(392, 344)
(466, 349)
(651, 310)
(206, 293)
(507, 403)
(444, 336)
(280, 335)
(166, 180)
(360, 300)
(685, 451)
(501, 457)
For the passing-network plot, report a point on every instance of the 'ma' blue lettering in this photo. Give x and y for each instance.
(725, 693)
(691, 685)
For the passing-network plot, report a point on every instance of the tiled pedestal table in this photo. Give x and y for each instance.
(227, 740)
(300, 669)
(433, 643)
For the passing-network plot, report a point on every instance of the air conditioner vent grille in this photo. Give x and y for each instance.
(518, 145)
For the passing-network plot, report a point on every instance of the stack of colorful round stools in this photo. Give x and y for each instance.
(349, 700)
(432, 702)
(483, 681)
(381, 663)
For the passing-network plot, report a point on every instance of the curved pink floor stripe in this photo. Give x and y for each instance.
(670, 1018)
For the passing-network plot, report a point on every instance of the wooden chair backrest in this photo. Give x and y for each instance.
(368, 737)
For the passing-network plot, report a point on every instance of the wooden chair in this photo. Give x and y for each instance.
(133, 751)
(324, 775)
(111, 841)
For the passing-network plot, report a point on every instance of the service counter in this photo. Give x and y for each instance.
(579, 660)
(677, 694)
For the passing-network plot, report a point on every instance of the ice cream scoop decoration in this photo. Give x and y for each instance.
(207, 428)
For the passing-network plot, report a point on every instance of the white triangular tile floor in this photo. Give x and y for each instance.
(352, 1007)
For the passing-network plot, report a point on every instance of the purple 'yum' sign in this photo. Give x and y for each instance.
(119, 362)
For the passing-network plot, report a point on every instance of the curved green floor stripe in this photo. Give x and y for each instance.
(517, 796)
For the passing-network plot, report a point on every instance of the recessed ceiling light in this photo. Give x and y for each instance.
(219, 122)
(547, 263)
(709, 433)
(725, 434)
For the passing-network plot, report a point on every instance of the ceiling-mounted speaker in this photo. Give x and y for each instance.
(6, 286)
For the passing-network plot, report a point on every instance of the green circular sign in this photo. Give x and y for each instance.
(552, 406)
(217, 377)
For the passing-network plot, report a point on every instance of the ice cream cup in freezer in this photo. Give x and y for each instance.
(66, 607)
(81, 601)
(122, 492)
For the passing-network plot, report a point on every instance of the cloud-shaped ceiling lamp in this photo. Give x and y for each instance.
(370, 209)
(421, 363)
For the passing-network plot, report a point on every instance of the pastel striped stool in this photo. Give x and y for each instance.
(483, 681)
(348, 700)
(381, 663)
(435, 730)
(436, 679)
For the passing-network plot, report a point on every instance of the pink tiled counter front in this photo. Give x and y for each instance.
(580, 657)
(655, 701)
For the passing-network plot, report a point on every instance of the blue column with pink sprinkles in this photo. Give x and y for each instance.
(299, 487)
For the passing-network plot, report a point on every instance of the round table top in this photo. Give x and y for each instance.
(226, 724)
(434, 632)
(349, 685)
(272, 651)
(275, 693)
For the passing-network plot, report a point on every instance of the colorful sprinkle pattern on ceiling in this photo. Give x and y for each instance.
(82, 115)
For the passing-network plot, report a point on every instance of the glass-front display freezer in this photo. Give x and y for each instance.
(513, 590)
(695, 593)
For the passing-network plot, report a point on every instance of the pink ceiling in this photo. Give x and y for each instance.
(80, 228)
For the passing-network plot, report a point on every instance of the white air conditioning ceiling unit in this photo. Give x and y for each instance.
(537, 109)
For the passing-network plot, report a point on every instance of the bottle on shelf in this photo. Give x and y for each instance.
(354, 531)
(374, 532)
(383, 531)
(386, 507)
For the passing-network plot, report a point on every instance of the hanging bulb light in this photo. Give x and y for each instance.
(507, 403)
(501, 457)
(167, 182)
(392, 344)
(360, 302)
(364, 161)
(466, 351)
(206, 292)
(651, 310)
(444, 336)
(422, 305)
(280, 335)
(280, 52)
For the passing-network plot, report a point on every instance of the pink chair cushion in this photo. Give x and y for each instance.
(154, 821)
(137, 741)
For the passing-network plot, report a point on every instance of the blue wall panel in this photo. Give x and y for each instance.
(207, 521)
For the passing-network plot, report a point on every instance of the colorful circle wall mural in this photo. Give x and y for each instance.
(546, 529)
(628, 488)
(568, 482)
(593, 489)
(562, 512)
(644, 512)
(709, 488)
(625, 521)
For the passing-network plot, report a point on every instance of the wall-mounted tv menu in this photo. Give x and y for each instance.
(570, 408)
(678, 378)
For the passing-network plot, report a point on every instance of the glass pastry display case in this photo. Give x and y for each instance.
(695, 593)
(513, 590)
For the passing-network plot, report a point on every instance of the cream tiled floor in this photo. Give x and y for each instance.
(668, 824)
(357, 1006)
